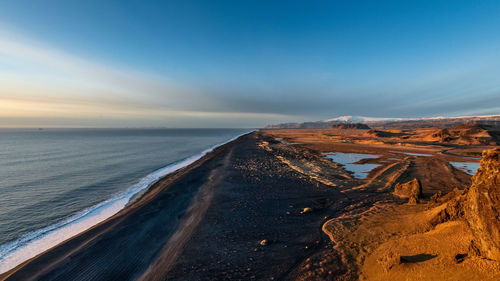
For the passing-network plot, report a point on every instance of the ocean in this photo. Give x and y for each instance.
(55, 183)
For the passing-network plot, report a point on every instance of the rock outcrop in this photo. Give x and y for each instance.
(411, 190)
(360, 126)
(443, 135)
(482, 205)
(465, 134)
(479, 205)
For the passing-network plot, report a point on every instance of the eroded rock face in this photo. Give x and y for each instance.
(482, 206)
(411, 190)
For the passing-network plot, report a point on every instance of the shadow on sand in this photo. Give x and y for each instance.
(417, 258)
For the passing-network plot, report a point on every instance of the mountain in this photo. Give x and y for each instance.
(359, 119)
(401, 123)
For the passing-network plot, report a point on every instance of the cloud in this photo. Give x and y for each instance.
(31, 63)
(40, 81)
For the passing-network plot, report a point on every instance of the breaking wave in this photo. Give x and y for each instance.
(36, 242)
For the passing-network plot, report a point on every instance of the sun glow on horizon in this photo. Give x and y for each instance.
(242, 65)
(38, 82)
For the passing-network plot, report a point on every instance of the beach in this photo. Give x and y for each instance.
(258, 208)
(204, 220)
(249, 140)
(57, 183)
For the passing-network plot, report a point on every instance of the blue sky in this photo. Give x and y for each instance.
(244, 63)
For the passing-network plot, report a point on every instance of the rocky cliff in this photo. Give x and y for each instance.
(482, 205)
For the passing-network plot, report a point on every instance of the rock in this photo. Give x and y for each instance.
(413, 200)
(435, 198)
(306, 210)
(264, 242)
(411, 189)
(443, 135)
(453, 209)
(482, 205)
(360, 126)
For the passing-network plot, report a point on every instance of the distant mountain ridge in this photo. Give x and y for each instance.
(426, 121)
(364, 119)
(359, 119)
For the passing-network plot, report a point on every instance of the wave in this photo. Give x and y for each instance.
(36, 242)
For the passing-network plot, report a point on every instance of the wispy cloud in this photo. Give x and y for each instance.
(29, 65)
(42, 83)
(39, 81)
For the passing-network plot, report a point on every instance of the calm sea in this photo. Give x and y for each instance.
(55, 183)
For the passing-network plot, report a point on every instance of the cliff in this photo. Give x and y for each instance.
(482, 205)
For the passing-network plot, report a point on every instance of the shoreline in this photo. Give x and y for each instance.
(131, 195)
(259, 208)
(207, 219)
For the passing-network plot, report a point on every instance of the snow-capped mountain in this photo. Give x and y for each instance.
(359, 119)
(372, 120)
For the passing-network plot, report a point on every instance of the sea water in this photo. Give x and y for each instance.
(56, 183)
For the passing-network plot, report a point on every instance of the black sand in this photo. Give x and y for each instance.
(203, 222)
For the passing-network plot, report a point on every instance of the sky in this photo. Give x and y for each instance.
(244, 63)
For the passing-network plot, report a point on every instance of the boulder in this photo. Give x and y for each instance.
(411, 190)
(482, 205)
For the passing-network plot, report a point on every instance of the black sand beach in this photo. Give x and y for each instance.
(206, 221)
(264, 208)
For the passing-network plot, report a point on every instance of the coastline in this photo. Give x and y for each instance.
(132, 195)
(207, 220)
(263, 208)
